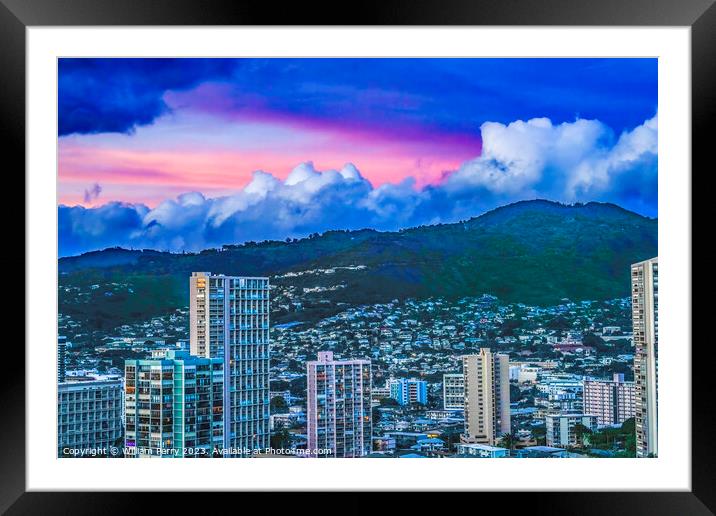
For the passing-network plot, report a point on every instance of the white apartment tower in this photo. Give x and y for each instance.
(487, 397)
(338, 407)
(61, 358)
(229, 319)
(453, 391)
(645, 322)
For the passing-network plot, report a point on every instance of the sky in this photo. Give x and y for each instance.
(184, 154)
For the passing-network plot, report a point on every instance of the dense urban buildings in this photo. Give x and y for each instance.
(612, 401)
(561, 428)
(409, 391)
(229, 319)
(174, 405)
(454, 391)
(487, 397)
(89, 416)
(645, 322)
(339, 420)
(412, 339)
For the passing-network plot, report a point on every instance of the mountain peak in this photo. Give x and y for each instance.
(590, 209)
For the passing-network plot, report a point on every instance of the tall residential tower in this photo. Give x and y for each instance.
(61, 358)
(453, 391)
(229, 319)
(174, 405)
(487, 397)
(645, 322)
(339, 411)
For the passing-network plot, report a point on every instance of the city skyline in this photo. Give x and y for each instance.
(212, 400)
(410, 258)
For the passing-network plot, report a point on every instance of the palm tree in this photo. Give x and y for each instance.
(507, 440)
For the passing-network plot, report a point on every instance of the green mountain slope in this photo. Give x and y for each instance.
(536, 252)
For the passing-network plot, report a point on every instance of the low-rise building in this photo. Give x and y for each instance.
(561, 428)
(541, 452)
(89, 417)
(484, 451)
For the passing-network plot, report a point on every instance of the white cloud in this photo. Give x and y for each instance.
(571, 161)
(575, 161)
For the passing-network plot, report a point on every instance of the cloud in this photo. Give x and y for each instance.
(438, 97)
(578, 161)
(569, 161)
(82, 229)
(92, 193)
(118, 95)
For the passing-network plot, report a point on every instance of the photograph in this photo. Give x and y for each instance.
(357, 257)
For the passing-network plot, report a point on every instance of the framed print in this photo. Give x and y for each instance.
(458, 233)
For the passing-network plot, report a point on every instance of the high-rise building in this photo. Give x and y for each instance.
(229, 319)
(453, 391)
(61, 358)
(174, 405)
(561, 428)
(89, 416)
(338, 407)
(612, 401)
(408, 391)
(645, 322)
(487, 397)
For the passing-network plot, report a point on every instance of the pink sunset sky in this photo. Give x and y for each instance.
(197, 146)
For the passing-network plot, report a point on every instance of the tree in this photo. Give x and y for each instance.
(582, 434)
(507, 440)
(509, 326)
(621, 440)
(278, 405)
(451, 436)
(515, 393)
(559, 323)
(375, 415)
(540, 434)
(595, 341)
(389, 402)
(298, 386)
(281, 439)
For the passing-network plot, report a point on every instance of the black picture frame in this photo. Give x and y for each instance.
(17, 15)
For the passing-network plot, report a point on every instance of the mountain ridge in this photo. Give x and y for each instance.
(536, 252)
(91, 256)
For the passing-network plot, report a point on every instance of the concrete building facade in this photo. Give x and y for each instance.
(409, 391)
(645, 322)
(89, 416)
(487, 397)
(174, 406)
(229, 319)
(338, 411)
(454, 391)
(612, 401)
(561, 428)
